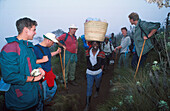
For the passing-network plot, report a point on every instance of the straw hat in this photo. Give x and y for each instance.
(51, 37)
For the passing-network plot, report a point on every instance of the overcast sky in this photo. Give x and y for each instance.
(59, 14)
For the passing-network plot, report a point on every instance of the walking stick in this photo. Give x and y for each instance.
(63, 70)
(140, 58)
(116, 58)
(61, 62)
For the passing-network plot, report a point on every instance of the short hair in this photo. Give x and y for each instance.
(112, 34)
(123, 28)
(134, 16)
(24, 22)
(96, 42)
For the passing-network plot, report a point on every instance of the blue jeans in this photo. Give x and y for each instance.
(90, 81)
(48, 93)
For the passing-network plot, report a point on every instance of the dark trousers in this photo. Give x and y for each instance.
(107, 60)
(135, 59)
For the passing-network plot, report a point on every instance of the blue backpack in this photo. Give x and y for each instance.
(62, 41)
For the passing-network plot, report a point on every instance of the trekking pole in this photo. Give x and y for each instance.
(140, 58)
(64, 69)
(61, 62)
(116, 57)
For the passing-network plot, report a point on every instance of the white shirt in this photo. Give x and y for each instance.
(93, 60)
(107, 48)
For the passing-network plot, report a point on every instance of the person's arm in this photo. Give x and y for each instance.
(76, 47)
(60, 44)
(102, 67)
(62, 37)
(117, 48)
(56, 52)
(150, 34)
(44, 59)
(151, 28)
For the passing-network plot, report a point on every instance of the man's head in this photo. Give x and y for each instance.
(25, 22)
(49, 39)
(124, 31)
(26, 28)
(112, 35)
(72, 29)
(95, 45)
(106, 39)
(133, 18)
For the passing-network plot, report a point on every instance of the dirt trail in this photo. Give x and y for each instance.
(81, 90)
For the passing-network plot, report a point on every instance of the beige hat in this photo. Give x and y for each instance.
(51, 37)
(73, 26)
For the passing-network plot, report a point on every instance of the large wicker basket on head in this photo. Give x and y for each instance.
(95, 30)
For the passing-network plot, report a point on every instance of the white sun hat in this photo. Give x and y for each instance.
(73, 26)
(51, 37)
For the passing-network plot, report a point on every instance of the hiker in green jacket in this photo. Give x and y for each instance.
(17, 61)
(143, 31)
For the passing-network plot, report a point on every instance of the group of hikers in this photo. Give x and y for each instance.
(19, 58)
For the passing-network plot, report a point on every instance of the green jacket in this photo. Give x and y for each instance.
(138, 36)
(17, 60)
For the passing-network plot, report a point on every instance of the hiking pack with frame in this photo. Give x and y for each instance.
(110, 45)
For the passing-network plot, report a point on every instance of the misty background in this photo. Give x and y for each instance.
(52, 15)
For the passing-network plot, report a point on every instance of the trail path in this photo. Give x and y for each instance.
(81, 90)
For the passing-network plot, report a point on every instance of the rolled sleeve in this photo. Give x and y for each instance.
(62, 37)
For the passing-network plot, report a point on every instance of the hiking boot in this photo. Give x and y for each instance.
(73, 83)
(87, 103)
(96, 94)
(86, 107)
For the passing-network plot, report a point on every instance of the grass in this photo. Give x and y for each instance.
(140, 94)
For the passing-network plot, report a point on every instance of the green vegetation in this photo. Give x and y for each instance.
(149, 91)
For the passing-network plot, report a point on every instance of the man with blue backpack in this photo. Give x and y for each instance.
(124, 49)
(70, 44)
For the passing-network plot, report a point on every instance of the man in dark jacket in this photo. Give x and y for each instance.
(143, 31)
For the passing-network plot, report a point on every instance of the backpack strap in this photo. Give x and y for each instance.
(66, 37)
(143, 32)
(110, 46)
(103, 45)
(40, 49)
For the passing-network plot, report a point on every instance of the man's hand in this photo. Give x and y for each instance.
(145, 38)
(64, 47)
(115, 50)
(37, 78)
(45, 58)
(58, 50)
